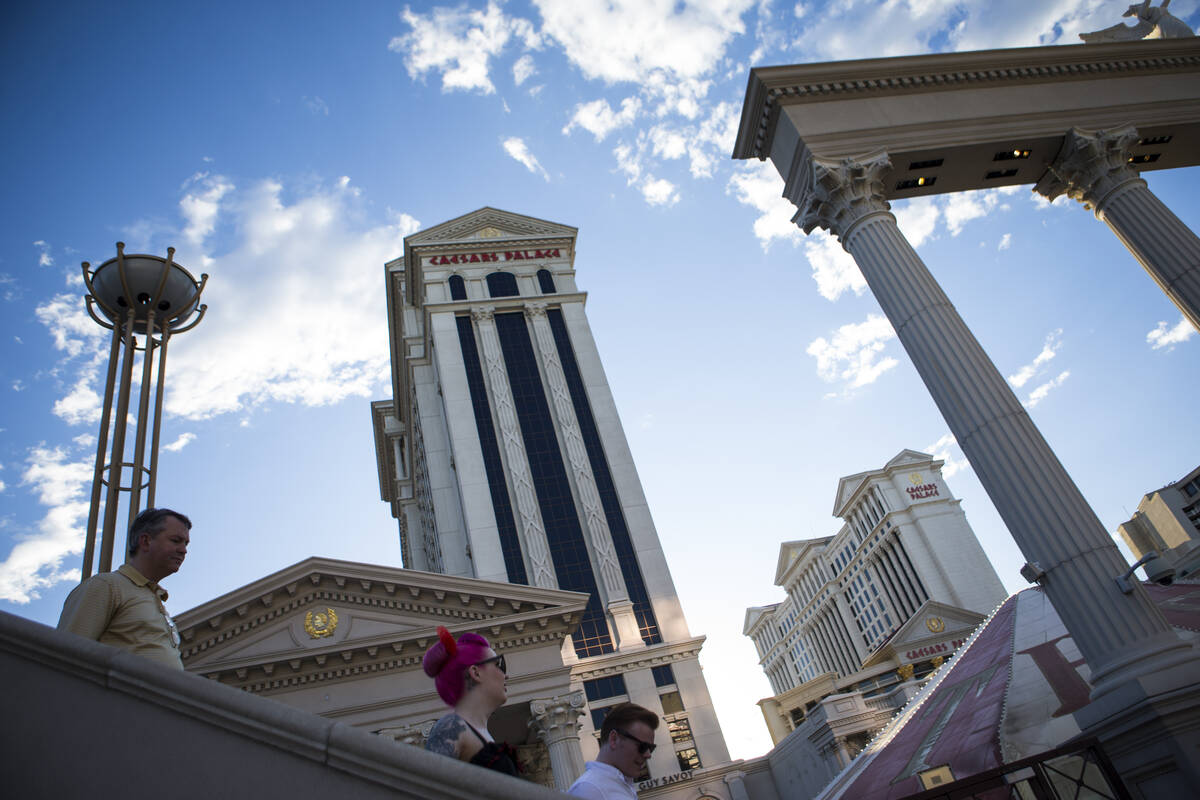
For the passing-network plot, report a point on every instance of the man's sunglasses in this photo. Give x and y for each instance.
(497, 660)
(644, 748)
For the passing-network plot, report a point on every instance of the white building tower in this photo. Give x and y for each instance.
(503, 458)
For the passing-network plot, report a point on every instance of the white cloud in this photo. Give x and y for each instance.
(35, 562)
(183, 441)
(628, 40)
(917, 218)
(900, 27)
(523, 69)
(1039, 394)
(316, 105)
(1162, 336)
(1049, 350)
(82, 403)
(70, 326)
(201, 204)
(1005, 242)
(962, 207)
(317, 341)
(659, 191)
(946, 449)
(599, 119)
(517, 149)
(852, 354)
(44, 257)
(459, 43)
(757, 185)
(833, 268)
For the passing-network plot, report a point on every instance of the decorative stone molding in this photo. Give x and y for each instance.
(581, 467)
(555, 720)
(652, 656)
(533, 529)
(837, 195)
(1091, 167)
(771, 88)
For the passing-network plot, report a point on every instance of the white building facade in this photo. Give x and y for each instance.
(503, 458)
(877, 604)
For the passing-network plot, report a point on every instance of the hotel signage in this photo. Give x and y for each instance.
(941, 648)
(495, 256)
(665, 780)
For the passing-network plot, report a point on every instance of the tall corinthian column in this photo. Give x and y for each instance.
(1093, 168)
(1122, 636)
(556, 722)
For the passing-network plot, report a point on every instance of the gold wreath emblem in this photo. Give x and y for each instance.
(935, 624)
(916, 478)
(318, 624)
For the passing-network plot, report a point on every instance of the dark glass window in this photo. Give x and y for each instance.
(510, 543)
(672, 703)
(502, 284)
(598, 715)
(458, 288)
(601, 688)
(664, 675)
(647, 623)
(572, 565)
(546, 281)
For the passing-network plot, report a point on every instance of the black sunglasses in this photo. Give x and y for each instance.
(497, 660)
(644, 748)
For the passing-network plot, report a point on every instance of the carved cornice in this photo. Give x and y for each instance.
(652, 656)
(772, 87)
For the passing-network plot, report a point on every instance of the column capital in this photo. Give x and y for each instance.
(483, 312)
(415, 734)
(837, 194)
(535, 309)
(1091, 166)
(556, 718)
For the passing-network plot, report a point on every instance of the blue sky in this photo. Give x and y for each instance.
(287, 149)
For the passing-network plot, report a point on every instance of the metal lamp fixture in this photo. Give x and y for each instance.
(154, 298)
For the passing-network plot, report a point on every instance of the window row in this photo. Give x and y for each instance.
(501, 284)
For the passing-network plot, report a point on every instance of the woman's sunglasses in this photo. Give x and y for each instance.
(497, 660)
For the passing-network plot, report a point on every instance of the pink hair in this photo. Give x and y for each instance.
(447, 662)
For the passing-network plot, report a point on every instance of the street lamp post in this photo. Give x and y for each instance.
(154, 298)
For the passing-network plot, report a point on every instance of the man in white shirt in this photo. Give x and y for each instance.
(626, 741)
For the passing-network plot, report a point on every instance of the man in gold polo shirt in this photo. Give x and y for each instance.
(125, 608)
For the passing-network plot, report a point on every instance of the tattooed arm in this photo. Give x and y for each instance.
(445, 736)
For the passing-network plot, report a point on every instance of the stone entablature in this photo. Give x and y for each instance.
(653, 656)
(299, 626)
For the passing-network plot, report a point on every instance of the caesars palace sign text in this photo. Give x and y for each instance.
(485, 258)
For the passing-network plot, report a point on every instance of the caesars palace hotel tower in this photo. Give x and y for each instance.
(508, 463)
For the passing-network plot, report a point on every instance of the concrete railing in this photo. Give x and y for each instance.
(84, 720)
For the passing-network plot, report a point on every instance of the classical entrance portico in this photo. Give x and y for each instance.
(848, 137)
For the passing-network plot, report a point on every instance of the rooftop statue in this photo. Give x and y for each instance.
(1154, 22)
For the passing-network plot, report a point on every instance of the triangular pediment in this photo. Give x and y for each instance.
(908, 457)
(935, 629)
(489, 224)
(754, 614)
(322, 613)
(791, 552)
(849, 486)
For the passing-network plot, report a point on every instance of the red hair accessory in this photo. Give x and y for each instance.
(447, 641)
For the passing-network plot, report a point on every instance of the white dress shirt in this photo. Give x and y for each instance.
(603, 782)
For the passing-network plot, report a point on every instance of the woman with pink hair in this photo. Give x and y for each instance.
(470, 678)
